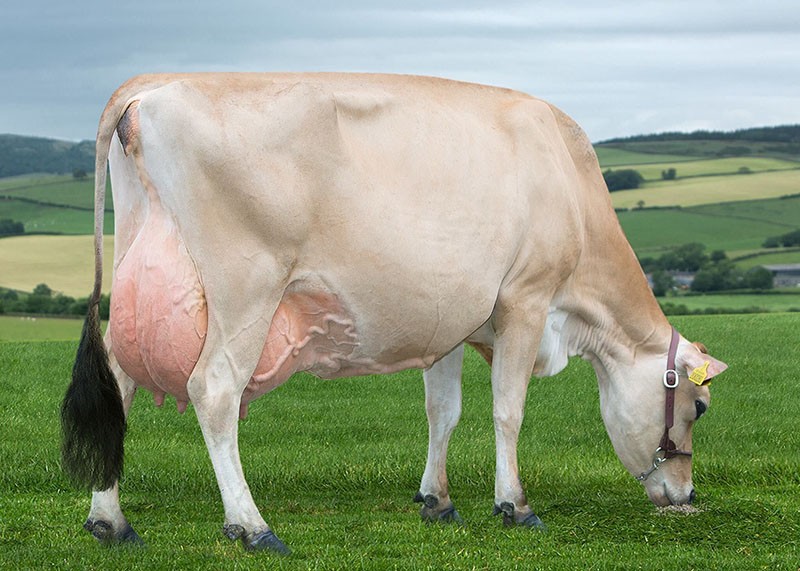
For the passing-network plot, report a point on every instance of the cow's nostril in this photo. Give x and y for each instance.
(692, 496)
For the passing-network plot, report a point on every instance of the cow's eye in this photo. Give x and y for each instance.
(700, 407)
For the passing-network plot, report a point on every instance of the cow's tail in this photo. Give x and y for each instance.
(92, 414)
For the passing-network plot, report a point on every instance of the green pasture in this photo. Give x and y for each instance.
(59, 190)
(781, 256)
(777, 302)
(651, 231)
(10, 183)
(333, 466)
(32, 328)
(65, 263)
(712, 167)
(614, 157)
(783, 213)
(731, 226)
(713, 189)
(55, 194)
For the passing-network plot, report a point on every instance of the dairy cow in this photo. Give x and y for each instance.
(357, 224)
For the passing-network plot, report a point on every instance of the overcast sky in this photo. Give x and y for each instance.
(618, 67)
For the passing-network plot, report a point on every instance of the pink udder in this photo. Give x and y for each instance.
(159, 317)
(159, 321)
(309, 332)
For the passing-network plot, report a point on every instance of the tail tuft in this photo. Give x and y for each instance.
(92, 415)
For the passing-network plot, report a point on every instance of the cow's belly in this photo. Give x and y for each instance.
(159, 321)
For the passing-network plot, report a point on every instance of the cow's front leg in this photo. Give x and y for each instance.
(106, 521)
(512, 365)
(443, 407)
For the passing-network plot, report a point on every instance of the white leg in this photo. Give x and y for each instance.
(443, 407)
(215, 388)
(514, 355)
(106, 520)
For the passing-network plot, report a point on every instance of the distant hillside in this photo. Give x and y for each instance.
(25, 155)
(779, 142)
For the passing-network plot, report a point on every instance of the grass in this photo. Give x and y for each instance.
(14, 328)
(613, 157)
(767, 301)
(56, 190)
(333, 465)
(52, 219)
(65, 263)
(733, 226)
(709, 190)
(789, 256)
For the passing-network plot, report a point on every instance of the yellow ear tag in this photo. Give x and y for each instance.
(698, 376)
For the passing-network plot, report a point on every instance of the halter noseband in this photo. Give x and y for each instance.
(667, 448)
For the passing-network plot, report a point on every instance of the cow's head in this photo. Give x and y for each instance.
(633, 404)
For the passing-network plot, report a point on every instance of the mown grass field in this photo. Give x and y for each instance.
(709, 190)
(333, 466)
(711, 167)
(65, 263)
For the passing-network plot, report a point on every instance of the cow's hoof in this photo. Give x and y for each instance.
(105, 534)
(431, 512)
(513, 518)
(265, 540)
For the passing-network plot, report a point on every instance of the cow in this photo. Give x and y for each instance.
(351, 224)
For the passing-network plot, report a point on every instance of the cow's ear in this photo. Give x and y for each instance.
(699, 365)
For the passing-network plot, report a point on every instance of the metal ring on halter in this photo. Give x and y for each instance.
(657, 461)
(677, 379)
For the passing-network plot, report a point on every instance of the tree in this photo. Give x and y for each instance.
(80, 174)
(758, 278)
(662, 282)
(687, 258)
(43, 290)
(717, 277)
(669, 174)
(10, 227)
(624, 179)
(717, 256)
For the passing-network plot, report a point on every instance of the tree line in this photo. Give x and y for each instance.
(780, 134)
(44, 301)
(712, 272)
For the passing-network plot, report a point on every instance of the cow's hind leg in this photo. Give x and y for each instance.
(443, 407)
(215, 388)
(515, 347)
(106, 521)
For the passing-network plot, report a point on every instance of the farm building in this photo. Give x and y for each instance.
(784, 275)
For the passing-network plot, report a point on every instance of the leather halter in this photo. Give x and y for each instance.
(667, 448)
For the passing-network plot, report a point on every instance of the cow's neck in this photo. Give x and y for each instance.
(610, 314)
